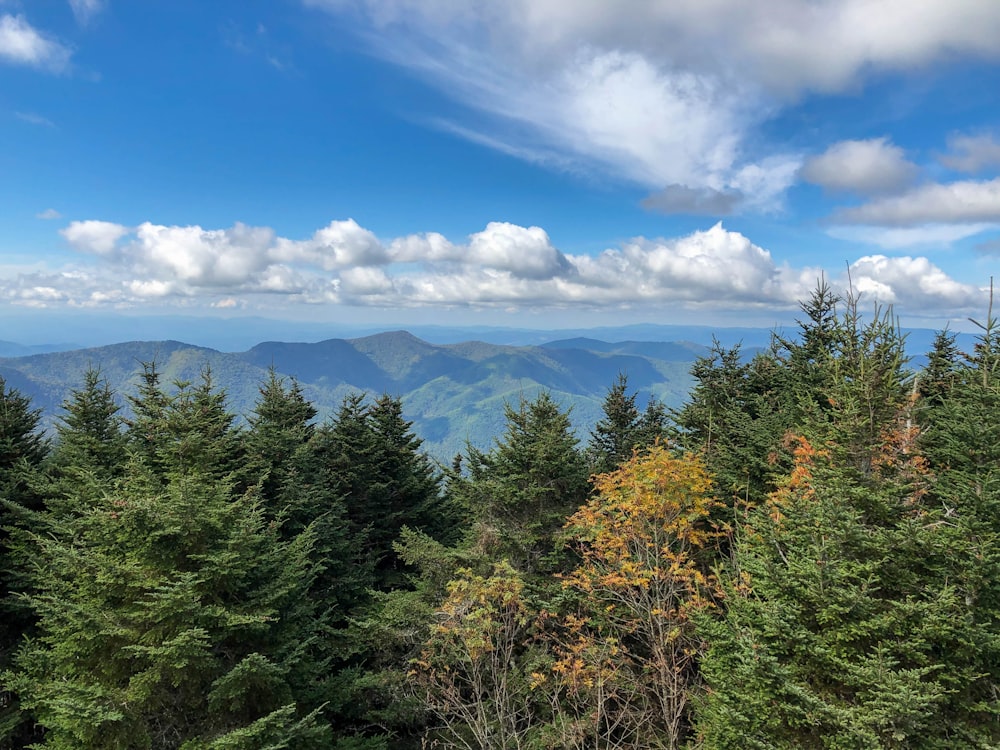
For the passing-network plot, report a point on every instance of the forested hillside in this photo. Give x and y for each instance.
(805, 554)
(452, 393)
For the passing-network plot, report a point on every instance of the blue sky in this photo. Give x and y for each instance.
(531, 162)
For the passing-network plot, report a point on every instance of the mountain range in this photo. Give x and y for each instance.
(454, 393)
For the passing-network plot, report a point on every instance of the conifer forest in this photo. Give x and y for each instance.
(805, 555)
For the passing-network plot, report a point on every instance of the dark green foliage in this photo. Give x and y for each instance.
(371, 460)
(171, 612)
(735, 418)
(168, 615)
(937, 379)
(806, 357)
(960, 416)
(623, 429)
(276, 449)
(89, 435)
(22, 450)
(20, 438)
(849, 623)
(520, 492)
(616, 435)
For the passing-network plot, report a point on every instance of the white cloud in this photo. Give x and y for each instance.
(22, 44)
(957, 202)
(94, 236)
(971, 153)
(341, 244)
(869, 166)
(503, 266)
(911, 283)
(85, 10)
(49, 214)
(524, 252)
(786, 45)
(667, 94)
(890, 238)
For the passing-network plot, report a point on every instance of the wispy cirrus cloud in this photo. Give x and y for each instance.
(86, 10)
(23, 44)
(668, 94)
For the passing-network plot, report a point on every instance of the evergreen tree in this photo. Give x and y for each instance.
(171, 612)
(22, 451)
(960, 422)
(280, 430)
(89, 436)
(372, 460)
(519, 493)
(938, 378)
(844, 625)
(623, 429)
(735, 418)
(405, 490)
(617, 433)
(149, 408)
(806, 357)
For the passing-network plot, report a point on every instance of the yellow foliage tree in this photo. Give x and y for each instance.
(631, 658)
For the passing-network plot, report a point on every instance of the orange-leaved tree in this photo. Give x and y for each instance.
(644, 540)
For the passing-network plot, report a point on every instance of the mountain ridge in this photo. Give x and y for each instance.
(452, 392)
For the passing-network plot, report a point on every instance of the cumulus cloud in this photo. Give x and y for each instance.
(504, 265)
(94, 236)
(22, 44)
(524, 252)
(971, 153)
(910, 283)
(49, 214)
(957, 202)
(866, 167)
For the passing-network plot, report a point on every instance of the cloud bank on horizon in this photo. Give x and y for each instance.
(827, 121)
(503, 266)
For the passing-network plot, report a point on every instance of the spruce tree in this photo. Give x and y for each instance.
(280, 430)
(520, 492)
(734, 416)
(616, 434)
(171, 613)
(23, 448)
(845, 625)
(89, 438)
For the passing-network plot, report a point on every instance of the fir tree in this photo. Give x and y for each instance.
(280, 430)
